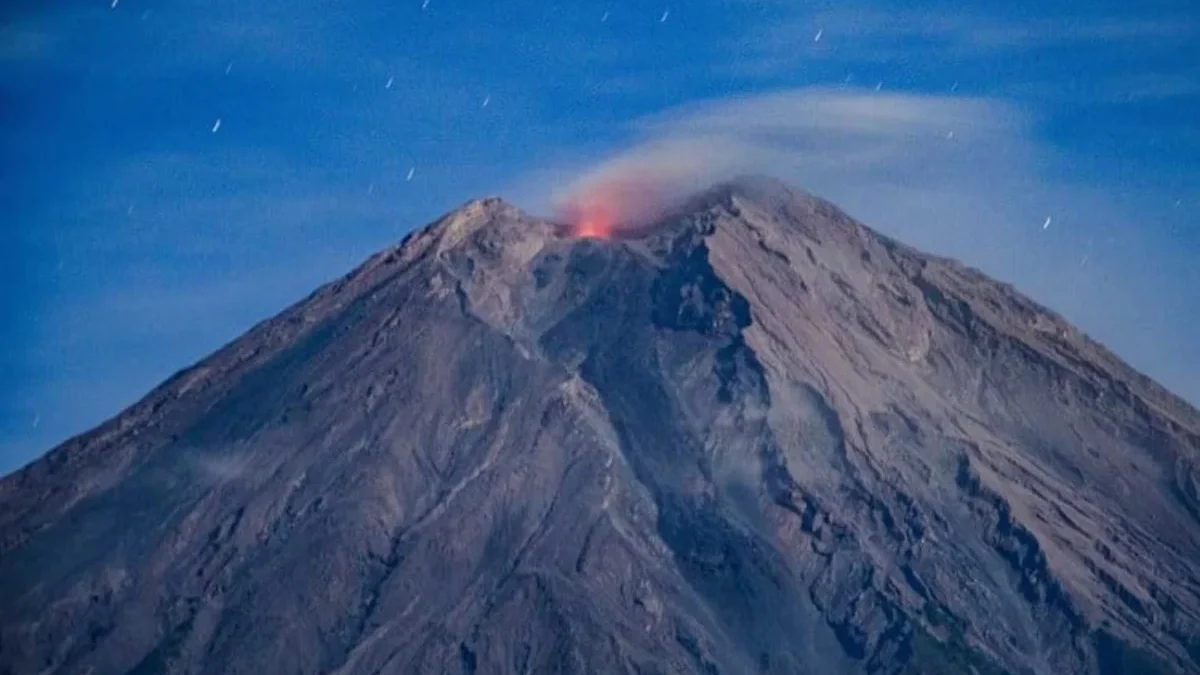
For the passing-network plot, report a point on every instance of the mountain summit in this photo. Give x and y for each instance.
(757, 437)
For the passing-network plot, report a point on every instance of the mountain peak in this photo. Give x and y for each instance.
(755, 436)
(759, 188)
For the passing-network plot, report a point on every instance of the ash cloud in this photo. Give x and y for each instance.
(636, 187)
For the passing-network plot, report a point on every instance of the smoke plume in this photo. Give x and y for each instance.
(637, 187)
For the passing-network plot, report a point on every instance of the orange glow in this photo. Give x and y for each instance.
(593, 228)
(606, 208)
(593, 220)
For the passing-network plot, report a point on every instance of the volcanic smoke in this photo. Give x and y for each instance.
(629, 193)
(599, 207)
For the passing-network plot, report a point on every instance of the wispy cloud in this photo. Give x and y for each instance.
(803, 132)
(844, 112)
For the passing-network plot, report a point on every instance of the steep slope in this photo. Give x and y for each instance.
(755, 437)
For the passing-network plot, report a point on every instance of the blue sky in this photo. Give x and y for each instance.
(136, 239)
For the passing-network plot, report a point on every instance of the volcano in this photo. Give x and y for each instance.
(756, 437)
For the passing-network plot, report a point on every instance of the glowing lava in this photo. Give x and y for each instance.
(593, 220)
(603, 208)
(593, 228)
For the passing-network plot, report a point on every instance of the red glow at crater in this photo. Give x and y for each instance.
(606, 206)
(592, 218)
(599, 212)
(594, 228)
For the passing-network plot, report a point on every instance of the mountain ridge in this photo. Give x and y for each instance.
(757, 393)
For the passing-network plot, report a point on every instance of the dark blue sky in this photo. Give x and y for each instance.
(136, 239)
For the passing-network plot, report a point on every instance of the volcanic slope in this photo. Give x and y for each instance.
(756, 437)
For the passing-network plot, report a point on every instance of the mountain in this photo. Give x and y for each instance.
(755, 437)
